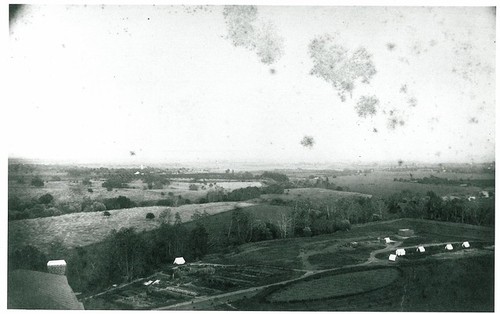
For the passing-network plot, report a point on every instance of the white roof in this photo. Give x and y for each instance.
(449, 246)
(466, 244)
(400, 252)
(147, 283)
(59, 262)
(392, 257)
(179, 260)
(421, 249)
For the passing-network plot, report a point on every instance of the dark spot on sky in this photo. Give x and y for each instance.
(473, 120)
(307, 141)
(272, 71)
(375, 130)
(391, 46)
(403, 89)
(132, 153)
(339, 66)
(148, 18)
(412, 101)
(400, 162)
(367, 106)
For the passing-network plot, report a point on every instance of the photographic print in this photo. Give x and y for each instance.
(251, 157)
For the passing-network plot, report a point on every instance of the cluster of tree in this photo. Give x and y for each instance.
(219, 194)
(42, 206)
(114, 183)
(431, 206)
(155, 181)
(318, 182)
(46, 206)
(276, 176)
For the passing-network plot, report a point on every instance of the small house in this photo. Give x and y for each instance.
(421, 249)
(57, 267)
(400, 252)
(388, 240)
(448, 247)
(466, 245)
(392, 257)
(179, 261)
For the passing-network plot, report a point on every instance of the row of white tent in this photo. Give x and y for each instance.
(421, 249)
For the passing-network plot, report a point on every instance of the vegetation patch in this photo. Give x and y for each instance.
(336, 285)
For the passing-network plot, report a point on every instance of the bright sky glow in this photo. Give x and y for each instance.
(92, 83)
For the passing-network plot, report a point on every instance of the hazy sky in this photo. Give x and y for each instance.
(173, 83)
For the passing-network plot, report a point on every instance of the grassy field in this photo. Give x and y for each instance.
(312, 194)
(382, 184)
(336, 285)
(320, 252)
(70, 192)
(80, 229)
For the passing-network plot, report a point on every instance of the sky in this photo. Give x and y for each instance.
(251, 84)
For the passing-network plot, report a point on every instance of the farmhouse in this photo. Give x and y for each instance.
(388, 240)
(57, 267)
(400, 252)
(420, 249)
(466, 245)
(179, 261)
(448, 247)
(392, 257)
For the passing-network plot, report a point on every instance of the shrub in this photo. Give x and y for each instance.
(150, 216)
(107, 214)
(98, 207)
(36, 181)
(90, 190)
(46, 199)
(193, 187)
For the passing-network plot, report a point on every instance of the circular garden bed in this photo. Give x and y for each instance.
(333, 286)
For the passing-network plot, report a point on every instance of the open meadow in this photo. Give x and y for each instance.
(80, 229)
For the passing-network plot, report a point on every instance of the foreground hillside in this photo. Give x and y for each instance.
(81, 229)
(346, 270)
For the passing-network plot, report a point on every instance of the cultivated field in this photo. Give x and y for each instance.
(382, 184)
(80, 229)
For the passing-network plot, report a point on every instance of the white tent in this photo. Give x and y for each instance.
(388, 240)
(448, 247)
(147, 283)
(400, 252)
(421, 249)
(466, 245)
(392, 257)
(179, 261)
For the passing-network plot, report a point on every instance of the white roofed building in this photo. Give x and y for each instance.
(57, 267)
